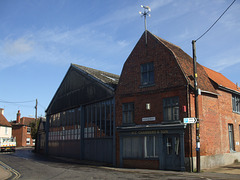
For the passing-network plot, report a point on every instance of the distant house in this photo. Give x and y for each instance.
(137, 120)
(22, 131)
(5, 126)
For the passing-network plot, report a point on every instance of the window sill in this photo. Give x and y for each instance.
(172, 122)
(147, 85)
(236, 112)
(142, 158)
(128, 124)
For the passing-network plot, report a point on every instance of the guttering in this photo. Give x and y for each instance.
(228, 89)
(208, 92)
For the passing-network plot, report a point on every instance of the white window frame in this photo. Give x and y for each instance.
(28, 141)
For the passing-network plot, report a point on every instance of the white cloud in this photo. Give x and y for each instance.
(18, 46)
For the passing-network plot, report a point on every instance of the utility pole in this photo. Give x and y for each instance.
(196, 107)
(36, 112)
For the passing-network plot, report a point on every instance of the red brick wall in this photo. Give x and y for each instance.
(142, 164)
(215, 114)
(20, 132)
(167, 73)
(17, 132)
(169, 82)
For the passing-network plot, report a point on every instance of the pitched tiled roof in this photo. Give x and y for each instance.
(104, 77)
(186, 64)
(4, 121)
(221, 80)
(26, 120)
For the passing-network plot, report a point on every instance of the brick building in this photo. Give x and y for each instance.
(137, 120)
(22, 131)
(154, 94)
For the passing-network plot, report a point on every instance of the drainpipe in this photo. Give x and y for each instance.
(189, 127)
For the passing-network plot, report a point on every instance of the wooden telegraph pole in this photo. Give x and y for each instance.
(196, 107)
(36, 112)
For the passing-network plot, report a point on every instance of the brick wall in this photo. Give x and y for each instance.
(215, 113)
(169, 82)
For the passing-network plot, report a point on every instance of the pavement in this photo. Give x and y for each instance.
(216, 173)
(4, 173)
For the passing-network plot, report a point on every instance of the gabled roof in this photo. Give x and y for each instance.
(185, 63)
(221, 80)
(104, 77)
(82, 85)
(27, 120)
(24, 121)
(4, 121)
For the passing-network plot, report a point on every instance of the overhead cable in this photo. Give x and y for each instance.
(215, 21)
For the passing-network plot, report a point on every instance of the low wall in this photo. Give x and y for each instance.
(208, 162)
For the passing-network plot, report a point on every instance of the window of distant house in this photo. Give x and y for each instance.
(28, 130)
(28, 141)
(236, 103)
(171, 109)
(33, 141)
(231, 137)
(147, 74)
(128, 113)
(6, 130)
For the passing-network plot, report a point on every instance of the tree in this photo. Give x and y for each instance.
(34, 128)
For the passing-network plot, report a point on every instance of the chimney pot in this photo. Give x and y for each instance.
(18, 116)
(2, 111)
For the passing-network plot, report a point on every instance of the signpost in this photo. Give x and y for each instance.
(189, 120)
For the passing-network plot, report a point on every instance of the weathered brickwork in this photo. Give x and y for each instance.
(168, 82)
(215, 105)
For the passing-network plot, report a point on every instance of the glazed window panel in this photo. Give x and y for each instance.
(171, 109)
(151, 144)
(231, 137)
(236, 103)
(128, 113)
(28, 130)
(133, 147)
(28, 141)
(147, 74)
(141, 147)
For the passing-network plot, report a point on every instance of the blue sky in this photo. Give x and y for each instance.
(40, 39)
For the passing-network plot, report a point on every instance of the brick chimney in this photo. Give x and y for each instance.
(2, 111)
(18, 116)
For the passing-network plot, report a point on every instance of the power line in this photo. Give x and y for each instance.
(3, 101)
(215, 21)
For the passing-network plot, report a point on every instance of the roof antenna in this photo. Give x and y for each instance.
(145, 13)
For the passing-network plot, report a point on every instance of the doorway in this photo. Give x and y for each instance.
(172, 152)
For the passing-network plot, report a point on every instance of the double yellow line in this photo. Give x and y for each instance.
(13, 171)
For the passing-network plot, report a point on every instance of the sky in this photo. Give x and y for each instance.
(39, 39)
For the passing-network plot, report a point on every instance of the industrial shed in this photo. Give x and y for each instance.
(81, 117)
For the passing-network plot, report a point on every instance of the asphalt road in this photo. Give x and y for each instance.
(33, 166)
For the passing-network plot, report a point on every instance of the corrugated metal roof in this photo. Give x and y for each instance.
(104, 77)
